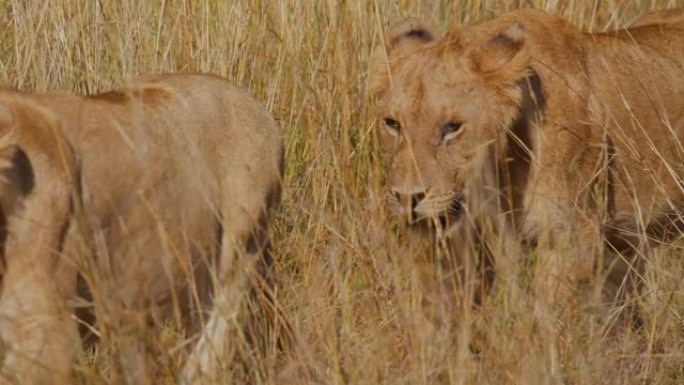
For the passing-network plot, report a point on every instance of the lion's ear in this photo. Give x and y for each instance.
(504, 57)
(8, 142)
(408, 31)
(8, 127)
(513, 37)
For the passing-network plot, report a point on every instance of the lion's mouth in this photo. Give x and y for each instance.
(445, 219)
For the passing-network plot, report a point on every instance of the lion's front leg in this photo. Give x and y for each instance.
(237, 278)
(566, 260)
(213, 352)
(208, 358)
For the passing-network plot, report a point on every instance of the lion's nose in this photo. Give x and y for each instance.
(415, 199)
(409, 199)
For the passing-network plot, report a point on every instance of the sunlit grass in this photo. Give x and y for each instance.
(361, 299)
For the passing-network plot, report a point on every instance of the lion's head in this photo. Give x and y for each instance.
(445, 107)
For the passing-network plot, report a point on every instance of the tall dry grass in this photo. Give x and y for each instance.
(361, 300)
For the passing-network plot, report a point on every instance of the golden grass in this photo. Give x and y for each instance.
(364, 308)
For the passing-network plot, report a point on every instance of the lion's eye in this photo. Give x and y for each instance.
(391, 125)
(450, 130)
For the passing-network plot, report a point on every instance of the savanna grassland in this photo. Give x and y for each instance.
(357, 300)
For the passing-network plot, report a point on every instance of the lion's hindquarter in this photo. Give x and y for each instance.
(637, 78)
(170, 165)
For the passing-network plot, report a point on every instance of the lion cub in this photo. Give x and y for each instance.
(150, 193)
(565, 140)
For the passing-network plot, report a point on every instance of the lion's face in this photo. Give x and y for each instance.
(439, 114)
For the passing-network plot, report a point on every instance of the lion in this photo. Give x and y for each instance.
(571, 141)
(155, 197)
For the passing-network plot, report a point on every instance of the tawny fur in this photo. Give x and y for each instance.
(150, 191)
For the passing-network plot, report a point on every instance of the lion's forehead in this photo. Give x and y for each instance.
(432, 70)
(431, 83)
(428, 102)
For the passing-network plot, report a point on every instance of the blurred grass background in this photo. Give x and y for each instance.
(361, 300)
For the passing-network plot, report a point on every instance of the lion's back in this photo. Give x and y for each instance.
(195, 126)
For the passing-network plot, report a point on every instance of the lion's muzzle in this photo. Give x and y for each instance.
(418, 208)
